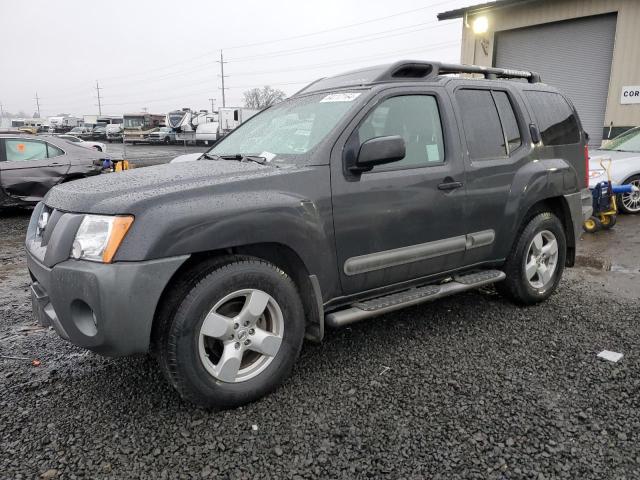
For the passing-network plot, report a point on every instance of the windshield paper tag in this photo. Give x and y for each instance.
(341, 97)
(268, 156)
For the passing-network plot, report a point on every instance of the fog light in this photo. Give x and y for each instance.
(84, 318)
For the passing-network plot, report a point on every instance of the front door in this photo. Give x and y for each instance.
(402, 220)
(30, 167)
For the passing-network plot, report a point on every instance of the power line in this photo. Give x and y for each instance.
(334, 29)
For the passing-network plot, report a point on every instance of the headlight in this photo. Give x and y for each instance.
(99, 237)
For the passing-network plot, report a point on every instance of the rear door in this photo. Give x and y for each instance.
(497, 146)
(29, 167)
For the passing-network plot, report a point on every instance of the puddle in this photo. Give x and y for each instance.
(621, 269)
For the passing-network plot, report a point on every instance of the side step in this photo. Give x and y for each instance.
(395, 301)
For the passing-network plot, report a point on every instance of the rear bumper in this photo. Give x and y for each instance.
(107, 308)
(581, 207)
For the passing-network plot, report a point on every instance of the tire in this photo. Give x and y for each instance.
(630, 202)
(167, 141)
(192, 341)
(97, 148)
(535, 240)
(608, 221)
(592, 225)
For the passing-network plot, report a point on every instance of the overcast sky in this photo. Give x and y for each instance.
(161, 55)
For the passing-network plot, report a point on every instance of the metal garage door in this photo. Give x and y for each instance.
(574, 56)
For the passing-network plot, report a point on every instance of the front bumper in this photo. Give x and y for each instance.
(107, 308)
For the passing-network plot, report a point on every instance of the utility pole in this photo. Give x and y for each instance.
(99, 102)
(222, 62)
(212, 100)
(38, 104)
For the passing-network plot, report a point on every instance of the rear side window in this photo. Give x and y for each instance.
(556, 120)
(54, 151)
(483, 130)
(22, 150)
(415, 118)
(508, 119)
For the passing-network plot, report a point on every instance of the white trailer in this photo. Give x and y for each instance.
(232, 117)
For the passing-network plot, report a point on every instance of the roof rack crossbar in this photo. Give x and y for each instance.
(487, 72)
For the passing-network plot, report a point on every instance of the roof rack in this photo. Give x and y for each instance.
(427, 70)
(411, 71)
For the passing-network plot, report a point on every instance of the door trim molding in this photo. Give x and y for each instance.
(417, 253)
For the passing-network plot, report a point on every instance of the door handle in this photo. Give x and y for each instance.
(449, 185)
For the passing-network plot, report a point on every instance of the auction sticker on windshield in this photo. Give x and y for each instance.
(341, 97)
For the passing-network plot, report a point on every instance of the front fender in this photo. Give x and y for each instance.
(237, 219)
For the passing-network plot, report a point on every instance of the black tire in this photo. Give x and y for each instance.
(97, 148)
(516, 286)
(592, 224)
(180, 320)
(635, 179)
(167, 140)
(608, 221)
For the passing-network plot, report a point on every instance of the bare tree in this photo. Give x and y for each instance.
(261, 98)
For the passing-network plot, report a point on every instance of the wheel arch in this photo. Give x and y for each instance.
(560, 208)
(278, 254)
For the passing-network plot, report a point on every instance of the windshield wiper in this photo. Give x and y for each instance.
(209, 156)
(244, 158)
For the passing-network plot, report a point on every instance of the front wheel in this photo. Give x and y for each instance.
(235, 336)
(535, 265)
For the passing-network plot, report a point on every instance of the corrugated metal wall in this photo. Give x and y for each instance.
(625, 66)
(572, 55)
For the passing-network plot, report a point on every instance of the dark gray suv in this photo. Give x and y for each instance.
(363, 193)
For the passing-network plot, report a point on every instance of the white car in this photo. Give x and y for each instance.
(100, 147)
(624, 152)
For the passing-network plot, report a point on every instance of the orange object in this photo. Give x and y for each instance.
(20, 147)
(120, 228)
(35, 362)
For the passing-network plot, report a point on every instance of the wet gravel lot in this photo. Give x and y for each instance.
(467, 387)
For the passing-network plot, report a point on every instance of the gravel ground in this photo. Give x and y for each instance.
(467, 387)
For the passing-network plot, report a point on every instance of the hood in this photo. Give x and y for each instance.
(133, 190)
(189, 157)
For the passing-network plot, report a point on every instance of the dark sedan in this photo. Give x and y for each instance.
(30, 166)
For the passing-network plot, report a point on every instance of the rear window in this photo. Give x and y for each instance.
(485, 139)
(556, 120)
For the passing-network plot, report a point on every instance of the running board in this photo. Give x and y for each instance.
(395, 301)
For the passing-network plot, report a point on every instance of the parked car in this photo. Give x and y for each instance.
(100, 147)
(30, 166)
(164, 135)
(99, 133)
(81, 132)
(624, 152)
(114, 132)
(363, 193)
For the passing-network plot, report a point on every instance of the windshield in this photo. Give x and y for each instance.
(77, 130)
(289, 129)
(133, 122)
(629, 141)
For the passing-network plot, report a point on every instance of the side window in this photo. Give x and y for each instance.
(21, 150)
(508, 119)
(556, 120)
(54, 151)
(483, 131)
(415, 118)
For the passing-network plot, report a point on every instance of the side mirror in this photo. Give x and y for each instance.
(378, 151)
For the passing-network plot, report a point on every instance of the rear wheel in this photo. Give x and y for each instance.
(592, 225)
(630, 202)
(535, 265)
(235, 336)
(167, 140)
(608, 221)
(99, 149)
